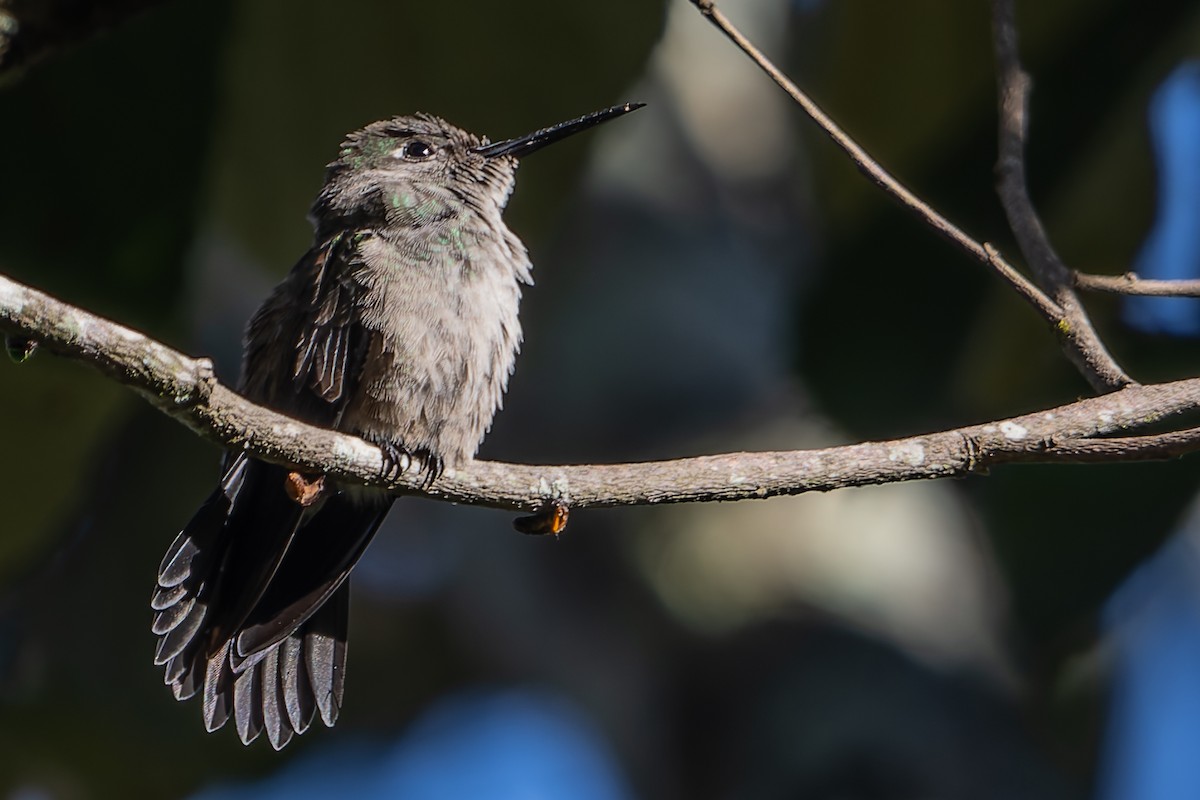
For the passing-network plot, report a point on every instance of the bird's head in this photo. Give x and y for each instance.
(416, 169)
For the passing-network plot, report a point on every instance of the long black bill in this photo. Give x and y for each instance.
(524, 145)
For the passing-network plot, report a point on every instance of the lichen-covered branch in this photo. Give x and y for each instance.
(185, 389)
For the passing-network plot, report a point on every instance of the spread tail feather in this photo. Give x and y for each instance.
(252, 604)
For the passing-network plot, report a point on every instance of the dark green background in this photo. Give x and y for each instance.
(117, 153)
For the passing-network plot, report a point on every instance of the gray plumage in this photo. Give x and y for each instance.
(399, 325)
(414, 259)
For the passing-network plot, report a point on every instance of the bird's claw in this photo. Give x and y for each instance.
(396, 461)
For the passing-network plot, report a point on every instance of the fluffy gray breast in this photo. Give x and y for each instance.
(442, 315)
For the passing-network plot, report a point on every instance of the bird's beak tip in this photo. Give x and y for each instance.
(524, 145)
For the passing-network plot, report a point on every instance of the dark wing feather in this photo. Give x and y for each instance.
(259, 529)
(252, 598)
(187, 577)
(329, 351)
(325, 654)
(321, 556)
(218, 689)
(218, 567)
(293, 675)
(274, 711)
(313, 314)
(280, 692)
(247, 705)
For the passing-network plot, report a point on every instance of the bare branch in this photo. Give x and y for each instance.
(1131, 284)
(1034, 296)
(1076, 334)
(984, 253)
(1055, 298)
(1153, 447)
(185, 389)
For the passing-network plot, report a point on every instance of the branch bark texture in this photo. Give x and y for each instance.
(1108, 428)
(185, 389)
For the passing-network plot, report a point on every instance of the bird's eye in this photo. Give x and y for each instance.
(415, 151)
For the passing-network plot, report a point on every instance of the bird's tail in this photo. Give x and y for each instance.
(252, 603)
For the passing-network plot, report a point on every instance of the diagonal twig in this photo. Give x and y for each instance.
(982, 252)
(1054, 298)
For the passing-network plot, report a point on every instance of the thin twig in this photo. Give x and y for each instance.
(1152, 447)
(1033, 295)
(1076, 334)
(185, 389)
(1131, 284)
(985, 254)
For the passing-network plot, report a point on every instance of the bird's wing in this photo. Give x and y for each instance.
(330, 350)
(322, 552)
(252, 595)
(305, 347)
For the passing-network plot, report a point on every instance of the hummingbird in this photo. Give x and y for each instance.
(399, 325)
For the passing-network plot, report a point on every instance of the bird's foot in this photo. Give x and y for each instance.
(432, 466)
(396, 460)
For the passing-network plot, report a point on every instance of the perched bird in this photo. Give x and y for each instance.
(398, 325)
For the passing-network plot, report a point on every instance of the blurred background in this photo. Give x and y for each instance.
(711, 275)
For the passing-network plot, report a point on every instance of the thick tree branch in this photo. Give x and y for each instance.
(185, 389)
(1076, 334)
(1130, 284)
